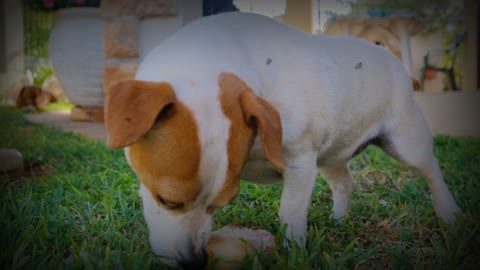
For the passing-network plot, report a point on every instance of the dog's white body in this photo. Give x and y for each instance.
(334, 95)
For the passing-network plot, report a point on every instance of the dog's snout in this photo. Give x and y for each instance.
(194, 260)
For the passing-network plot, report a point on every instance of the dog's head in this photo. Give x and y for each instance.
(188, 155)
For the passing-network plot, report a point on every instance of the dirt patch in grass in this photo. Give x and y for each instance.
(368, 178)
(32, 172)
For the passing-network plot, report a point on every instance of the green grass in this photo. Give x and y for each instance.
(86, 214)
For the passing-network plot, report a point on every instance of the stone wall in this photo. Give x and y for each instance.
(131, 29)
(121, 34)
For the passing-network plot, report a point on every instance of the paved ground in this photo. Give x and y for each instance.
(451, 113)
(61, 119)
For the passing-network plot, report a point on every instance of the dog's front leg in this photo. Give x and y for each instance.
(299, 179)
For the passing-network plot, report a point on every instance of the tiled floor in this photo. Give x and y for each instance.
(61, 119)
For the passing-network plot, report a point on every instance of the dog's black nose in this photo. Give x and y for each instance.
(195, 261)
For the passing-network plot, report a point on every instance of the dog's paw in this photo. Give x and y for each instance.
(449, 214)
(445, 207)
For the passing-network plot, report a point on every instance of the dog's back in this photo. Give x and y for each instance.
(317, 83)
(314, 74)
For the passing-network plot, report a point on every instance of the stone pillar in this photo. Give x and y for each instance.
(471, 71)
(11, 50)
(121, 35)
(121, 24)
(298, 14)
(406, 52)
(191, 10)
(120, 31)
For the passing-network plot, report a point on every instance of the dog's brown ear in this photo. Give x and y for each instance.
(269, 126)
(131, 108)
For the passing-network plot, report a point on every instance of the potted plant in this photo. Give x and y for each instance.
(75, 49)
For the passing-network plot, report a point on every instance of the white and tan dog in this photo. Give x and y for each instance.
(236, 87)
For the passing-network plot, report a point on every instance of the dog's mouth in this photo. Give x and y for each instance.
(195, 260)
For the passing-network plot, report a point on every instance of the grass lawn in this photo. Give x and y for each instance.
(85, 212)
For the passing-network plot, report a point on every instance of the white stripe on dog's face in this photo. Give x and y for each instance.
(189, 164)
(167, 160)
(171, 234)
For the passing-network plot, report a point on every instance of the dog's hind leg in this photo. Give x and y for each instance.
(410, 142)
(341, 183)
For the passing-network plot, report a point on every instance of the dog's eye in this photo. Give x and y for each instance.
(170, 205)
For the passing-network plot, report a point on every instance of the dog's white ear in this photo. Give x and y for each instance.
(269, 126)
(131, 108)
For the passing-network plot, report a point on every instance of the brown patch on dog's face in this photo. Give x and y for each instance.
(167, 159)
(163, 138)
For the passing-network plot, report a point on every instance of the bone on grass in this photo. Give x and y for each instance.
(229, 246)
